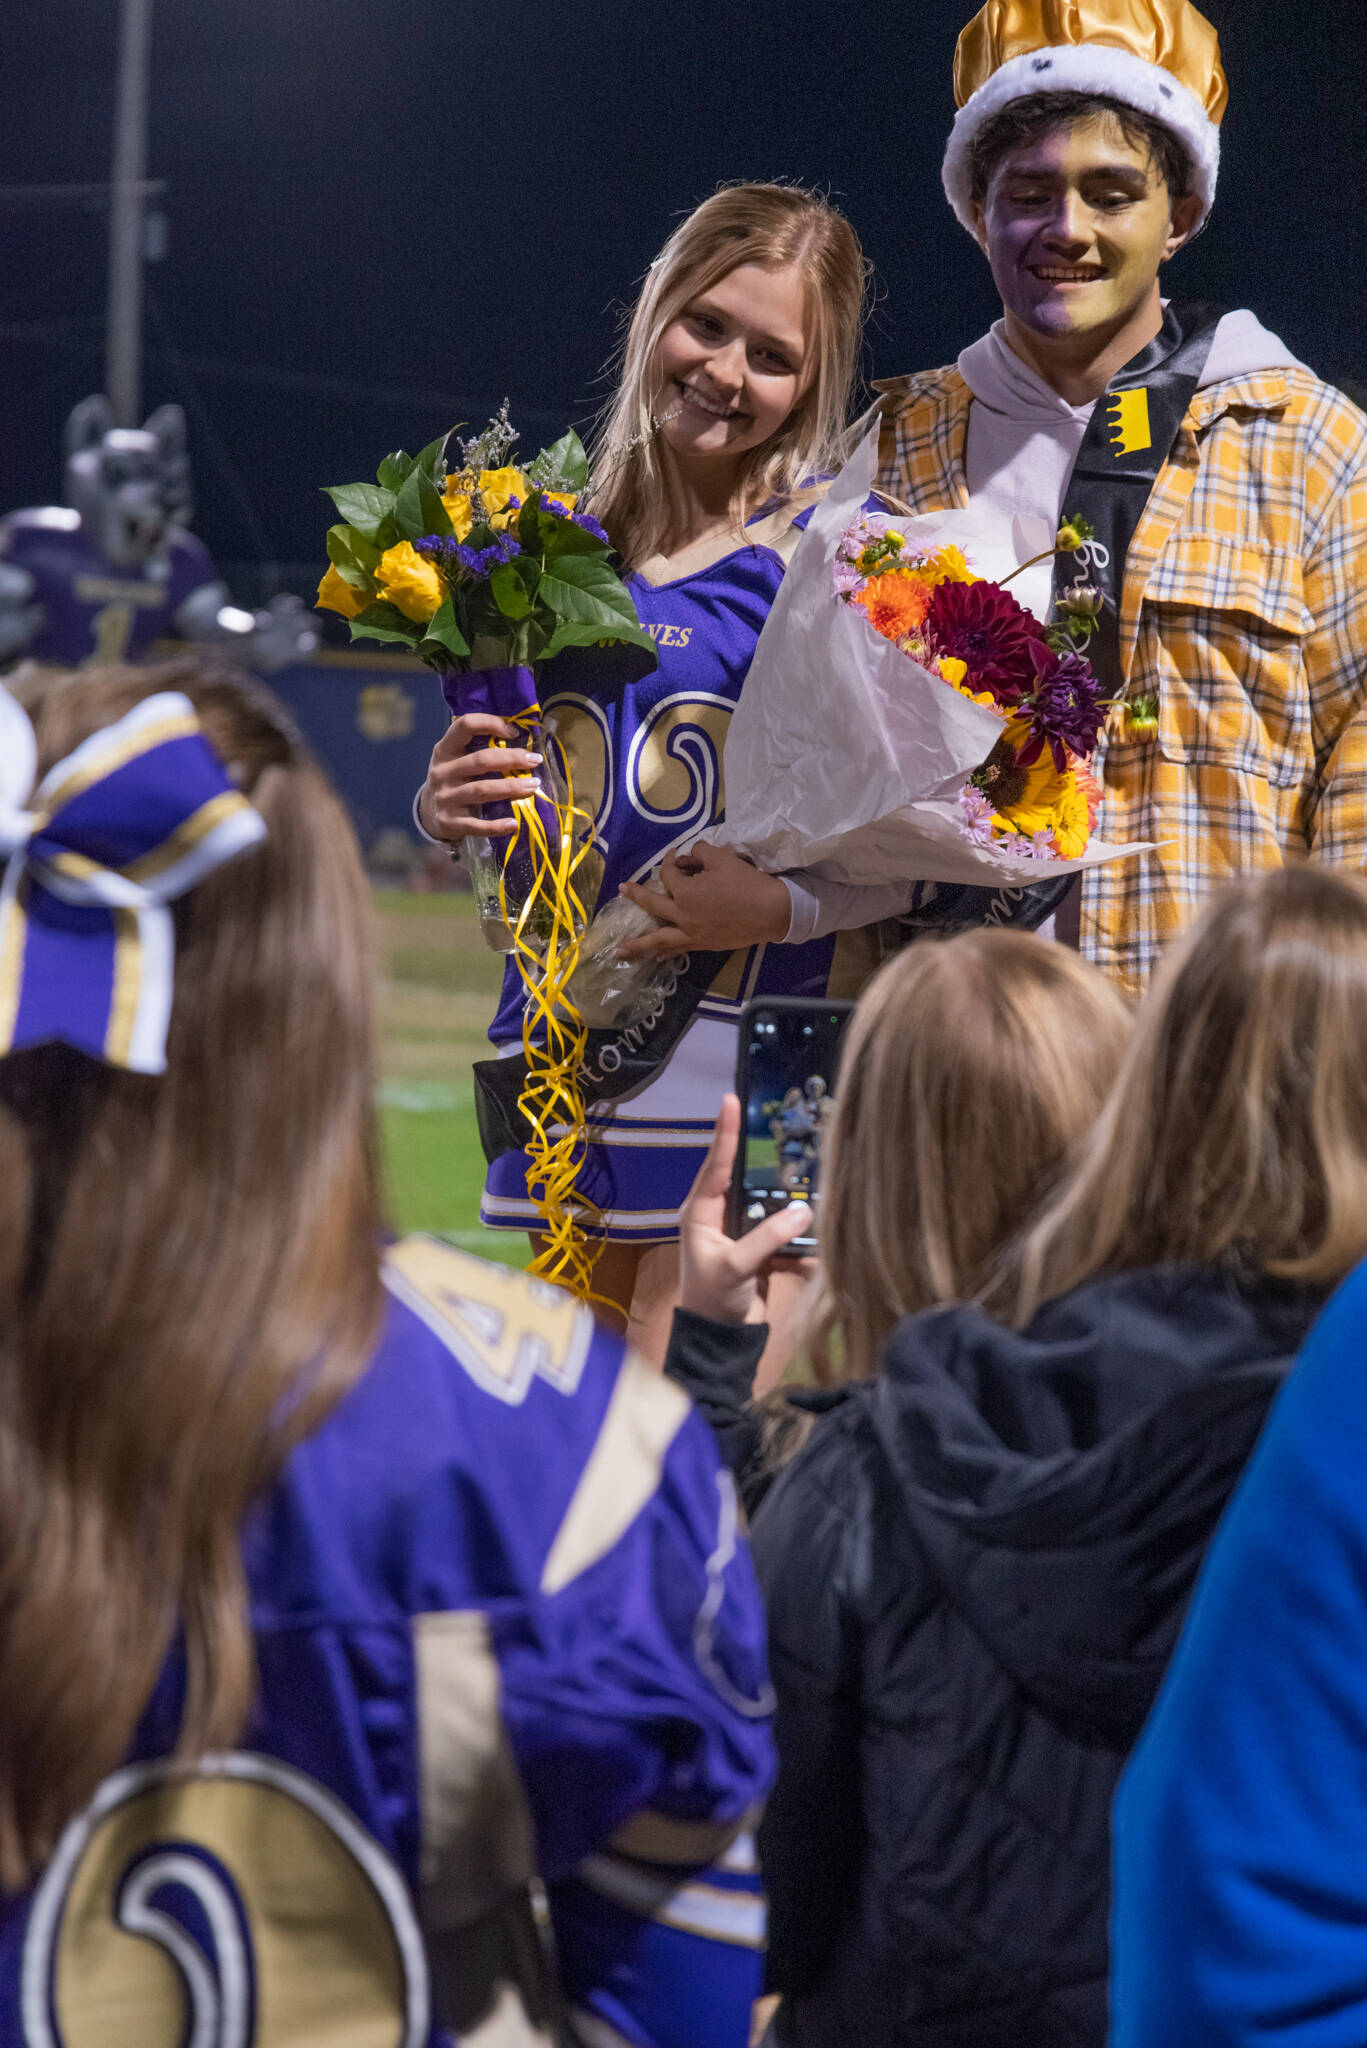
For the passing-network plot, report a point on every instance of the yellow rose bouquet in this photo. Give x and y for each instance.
(485, 568)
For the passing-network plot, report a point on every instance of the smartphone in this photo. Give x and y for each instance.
(786, 1078)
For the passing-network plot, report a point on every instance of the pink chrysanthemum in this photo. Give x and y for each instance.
(976, 824)
(1042, 846)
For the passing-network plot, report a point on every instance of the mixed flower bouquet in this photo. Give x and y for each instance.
(1034, 796)
(483, 569)
(904, 718)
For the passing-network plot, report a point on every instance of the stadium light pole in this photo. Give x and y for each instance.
(128, 190)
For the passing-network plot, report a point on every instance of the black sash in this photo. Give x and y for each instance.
(1129, 437)
(619, 1058)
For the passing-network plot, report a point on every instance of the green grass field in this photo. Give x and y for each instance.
(439, 984)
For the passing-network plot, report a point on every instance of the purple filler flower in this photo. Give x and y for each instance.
(482, 561)
(452, 554)
(846, 577)
(437, 547)
(1063, 711)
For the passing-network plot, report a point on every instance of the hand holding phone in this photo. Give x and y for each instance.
(719, 1274)
(786, 1072)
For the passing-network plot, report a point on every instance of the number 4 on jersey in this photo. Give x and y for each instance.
(505, 1329)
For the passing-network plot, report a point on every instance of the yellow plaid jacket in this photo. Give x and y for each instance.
(1244, 611)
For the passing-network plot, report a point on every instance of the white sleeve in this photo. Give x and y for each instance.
(819, 906)
(446, 845)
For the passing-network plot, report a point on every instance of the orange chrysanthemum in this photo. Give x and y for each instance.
(896, 604)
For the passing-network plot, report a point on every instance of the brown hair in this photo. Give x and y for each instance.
(970, 1067)
(1236, 1133)
(189, 1275)
(769, 225)
(1031, 118)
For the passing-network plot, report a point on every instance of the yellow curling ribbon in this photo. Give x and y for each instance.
(546, 933)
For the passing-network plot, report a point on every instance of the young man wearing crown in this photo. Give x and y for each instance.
(1227, 485)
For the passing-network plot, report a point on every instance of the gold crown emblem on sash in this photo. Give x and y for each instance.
(1129, 419)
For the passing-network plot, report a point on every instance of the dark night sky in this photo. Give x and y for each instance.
(384, 218)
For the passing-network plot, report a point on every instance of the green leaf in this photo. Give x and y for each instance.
(579, 633)
(563, 537)
(393, 471)
(367, 507)
(566, 460)
(587, 589)
(443, 632)
(383, 621)
(353, 557)
(510, 593)
(418, 507)
(427, 458)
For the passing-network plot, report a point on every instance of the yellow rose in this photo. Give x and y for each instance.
(458, 511)
(410, 583)
(335, 594)
(496, 486)
(560, 501)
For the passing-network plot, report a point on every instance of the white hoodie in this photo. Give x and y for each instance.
(1023, 438)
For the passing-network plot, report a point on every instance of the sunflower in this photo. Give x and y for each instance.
(895, 603)
(1023, 798)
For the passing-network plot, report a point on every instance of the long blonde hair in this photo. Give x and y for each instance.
(769, 225)
(189, 1276)
(970, 1067)
(1236, 1134)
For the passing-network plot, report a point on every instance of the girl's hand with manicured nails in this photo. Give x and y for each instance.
(722, 1277)
(458, 782)
(708, 900)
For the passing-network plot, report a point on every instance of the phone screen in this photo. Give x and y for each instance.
(789, 1052)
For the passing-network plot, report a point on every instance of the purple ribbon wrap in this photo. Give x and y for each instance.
(507, 693)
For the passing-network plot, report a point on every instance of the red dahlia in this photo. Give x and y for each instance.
(981, 624)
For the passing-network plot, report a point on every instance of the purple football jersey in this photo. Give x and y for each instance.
(506, 1631)
(646, 753)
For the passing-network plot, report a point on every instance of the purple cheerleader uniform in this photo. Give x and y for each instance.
(647, 755)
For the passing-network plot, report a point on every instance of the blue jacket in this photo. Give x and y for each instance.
(1241, 1824)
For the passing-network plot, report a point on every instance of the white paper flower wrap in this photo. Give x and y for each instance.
(844, 756)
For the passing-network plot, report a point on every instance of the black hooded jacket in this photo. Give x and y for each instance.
(975, 1574)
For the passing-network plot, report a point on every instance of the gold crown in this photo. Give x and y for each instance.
(1168, 33)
